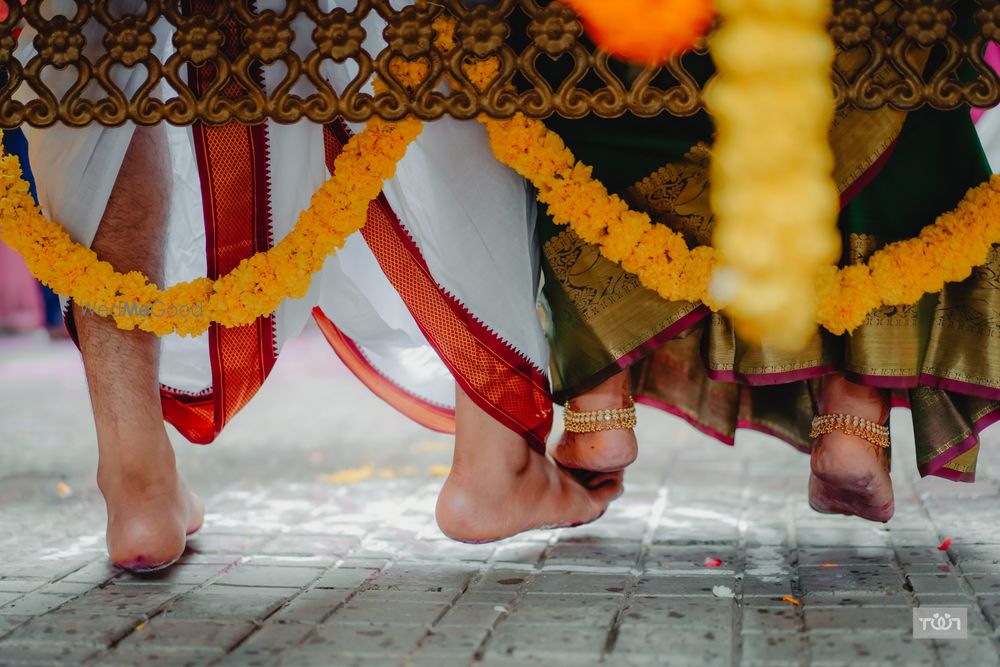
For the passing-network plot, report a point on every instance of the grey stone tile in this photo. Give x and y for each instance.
(526, 553)
(216, 602)
(854, 580)
(863, 620)
(934, 584)
(159, 656)
(681, 612)
(9, 623)
(266, 646)
(181, 574)
(458, 643)
(226, 543)
(566, 609)
(773, 648)
(899, 649)
(354, 639)
(124, 600)
(98, 572)
(390, 612)
(846, 556)
(473, 614)
(20, 585)
(979, 651)
(94, 629)
(578, 583)
(784, 619)
(343, 577)
(526, 641)
(266, 576)
(313, 606)
(984, 584)
(610, 554)
(424, 577)
(197, 633)
(503, 580)
(34, 604)
(36, 655)
(680, 584)
(706, 646)
(310, 545)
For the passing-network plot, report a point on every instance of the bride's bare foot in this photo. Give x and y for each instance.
(499, 486)
(849, 474)
(604, 451)
(151, 512)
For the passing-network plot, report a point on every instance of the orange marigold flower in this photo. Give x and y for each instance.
(645, 31)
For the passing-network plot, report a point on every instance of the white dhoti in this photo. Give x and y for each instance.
(440, 286)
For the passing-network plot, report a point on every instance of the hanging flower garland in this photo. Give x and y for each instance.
(773, 195)
(255, 288)
(901, 273)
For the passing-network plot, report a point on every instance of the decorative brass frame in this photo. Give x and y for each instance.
(881, 35)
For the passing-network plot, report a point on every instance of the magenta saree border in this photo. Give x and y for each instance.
(936, 466)
(768, 379)
(677, 412)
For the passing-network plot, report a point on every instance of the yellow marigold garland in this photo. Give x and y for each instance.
(255, 288)
(656, 254)
(773, 194)
(900, 273)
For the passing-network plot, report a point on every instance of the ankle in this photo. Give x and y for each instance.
(137, 474)
(842, 396)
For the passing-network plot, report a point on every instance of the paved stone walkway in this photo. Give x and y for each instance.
(320, 549)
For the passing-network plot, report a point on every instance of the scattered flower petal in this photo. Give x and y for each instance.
(712, 561)
(430, 447)
(64, 490)
(789, 598)
(944, 545)
(828, 565)
(722, 592)
(349, 475)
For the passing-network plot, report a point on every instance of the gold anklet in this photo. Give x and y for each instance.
(876, 434)
(614, 419)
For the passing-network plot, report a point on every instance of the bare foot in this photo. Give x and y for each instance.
(151, 512)
(605, 451)
(499, 486)
(849, 474)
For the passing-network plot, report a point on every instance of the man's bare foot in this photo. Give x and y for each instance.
(605, 451)
(499, 486)
(849, 474)
(151, 512)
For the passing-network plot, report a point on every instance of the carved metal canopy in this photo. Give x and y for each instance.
(901, 53)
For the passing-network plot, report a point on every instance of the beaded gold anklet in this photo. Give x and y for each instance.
(876, 434)
(613, 419)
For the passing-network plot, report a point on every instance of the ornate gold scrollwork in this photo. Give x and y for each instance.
(885, 34)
